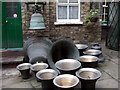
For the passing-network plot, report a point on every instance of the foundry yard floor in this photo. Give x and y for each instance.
(10, 77)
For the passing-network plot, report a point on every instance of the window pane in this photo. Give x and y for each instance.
(11, 8)
(11, 4)
(62, 12)
(62, 1)
(73, 1)
(73, 12)
(11, 12)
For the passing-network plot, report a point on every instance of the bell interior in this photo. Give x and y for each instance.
(47, 75)
(80, 46)
(64, 49)
(88, 59)
(88, 75)
(23, 67)
(65, 82)
(92, 52)
(68, 65)
(39, 67)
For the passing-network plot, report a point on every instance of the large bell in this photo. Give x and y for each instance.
(63, 49)
(37, 21)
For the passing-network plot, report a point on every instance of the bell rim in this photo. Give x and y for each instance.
(37, 64)
(88, 57)
(67, 75)
(65, 60)
(44, 71)
(88, 69)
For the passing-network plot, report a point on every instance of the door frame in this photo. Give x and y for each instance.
(4, 31)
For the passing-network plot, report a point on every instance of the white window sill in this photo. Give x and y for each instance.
(64, 23)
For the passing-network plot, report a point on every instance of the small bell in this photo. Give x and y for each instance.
(96, 46)
(37, 21)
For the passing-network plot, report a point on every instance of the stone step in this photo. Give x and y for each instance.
(11, 56)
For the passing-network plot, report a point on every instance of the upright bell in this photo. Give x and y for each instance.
(37, 21)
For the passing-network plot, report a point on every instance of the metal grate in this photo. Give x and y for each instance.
(113, 26)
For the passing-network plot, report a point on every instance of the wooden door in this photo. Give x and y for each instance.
(11, 25)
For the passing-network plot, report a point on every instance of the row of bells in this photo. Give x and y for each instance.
(37, 21)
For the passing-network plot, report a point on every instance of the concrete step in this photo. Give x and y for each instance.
(11, 56)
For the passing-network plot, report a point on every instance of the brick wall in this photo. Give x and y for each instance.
(87, 34)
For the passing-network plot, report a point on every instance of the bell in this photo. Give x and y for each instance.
(37, 21)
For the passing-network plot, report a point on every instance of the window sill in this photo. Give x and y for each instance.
(64, 23)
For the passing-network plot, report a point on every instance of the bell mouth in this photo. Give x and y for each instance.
(88, 74)
(38, 59)
(46, 74)
(68, 64)
(66, 81)
(81, 46)
(88, 58)
(92, 52)
(23, 66)
(38, 66)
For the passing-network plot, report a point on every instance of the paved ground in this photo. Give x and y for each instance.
(10, 77)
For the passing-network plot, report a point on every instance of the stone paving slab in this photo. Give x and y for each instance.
(104, 76)
(111, 68)
(39, 87)
(35, 83)
(11, 81)
(111, 54)
(20, 85)
(115, 60)
(107, 58)
(107, 83)
(0, 73)
(10, 73)
(0, 84)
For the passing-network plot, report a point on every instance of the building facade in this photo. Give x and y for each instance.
(76, 31)
(64, 19)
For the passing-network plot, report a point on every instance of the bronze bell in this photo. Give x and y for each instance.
(37, 21)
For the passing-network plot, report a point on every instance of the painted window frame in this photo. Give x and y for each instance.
(68, 21)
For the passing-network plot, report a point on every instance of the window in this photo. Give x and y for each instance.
(68, 12)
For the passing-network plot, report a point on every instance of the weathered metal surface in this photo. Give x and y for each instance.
(42, 50)
(38, 66)
(46, 77)
(63, 49)
(81, 48)
(88, 78)
(88, 61)
(37, 21)
(66, 81)
(24, 70)
(93, 52)
(37, 49)
(96, 46)
(68, 66)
